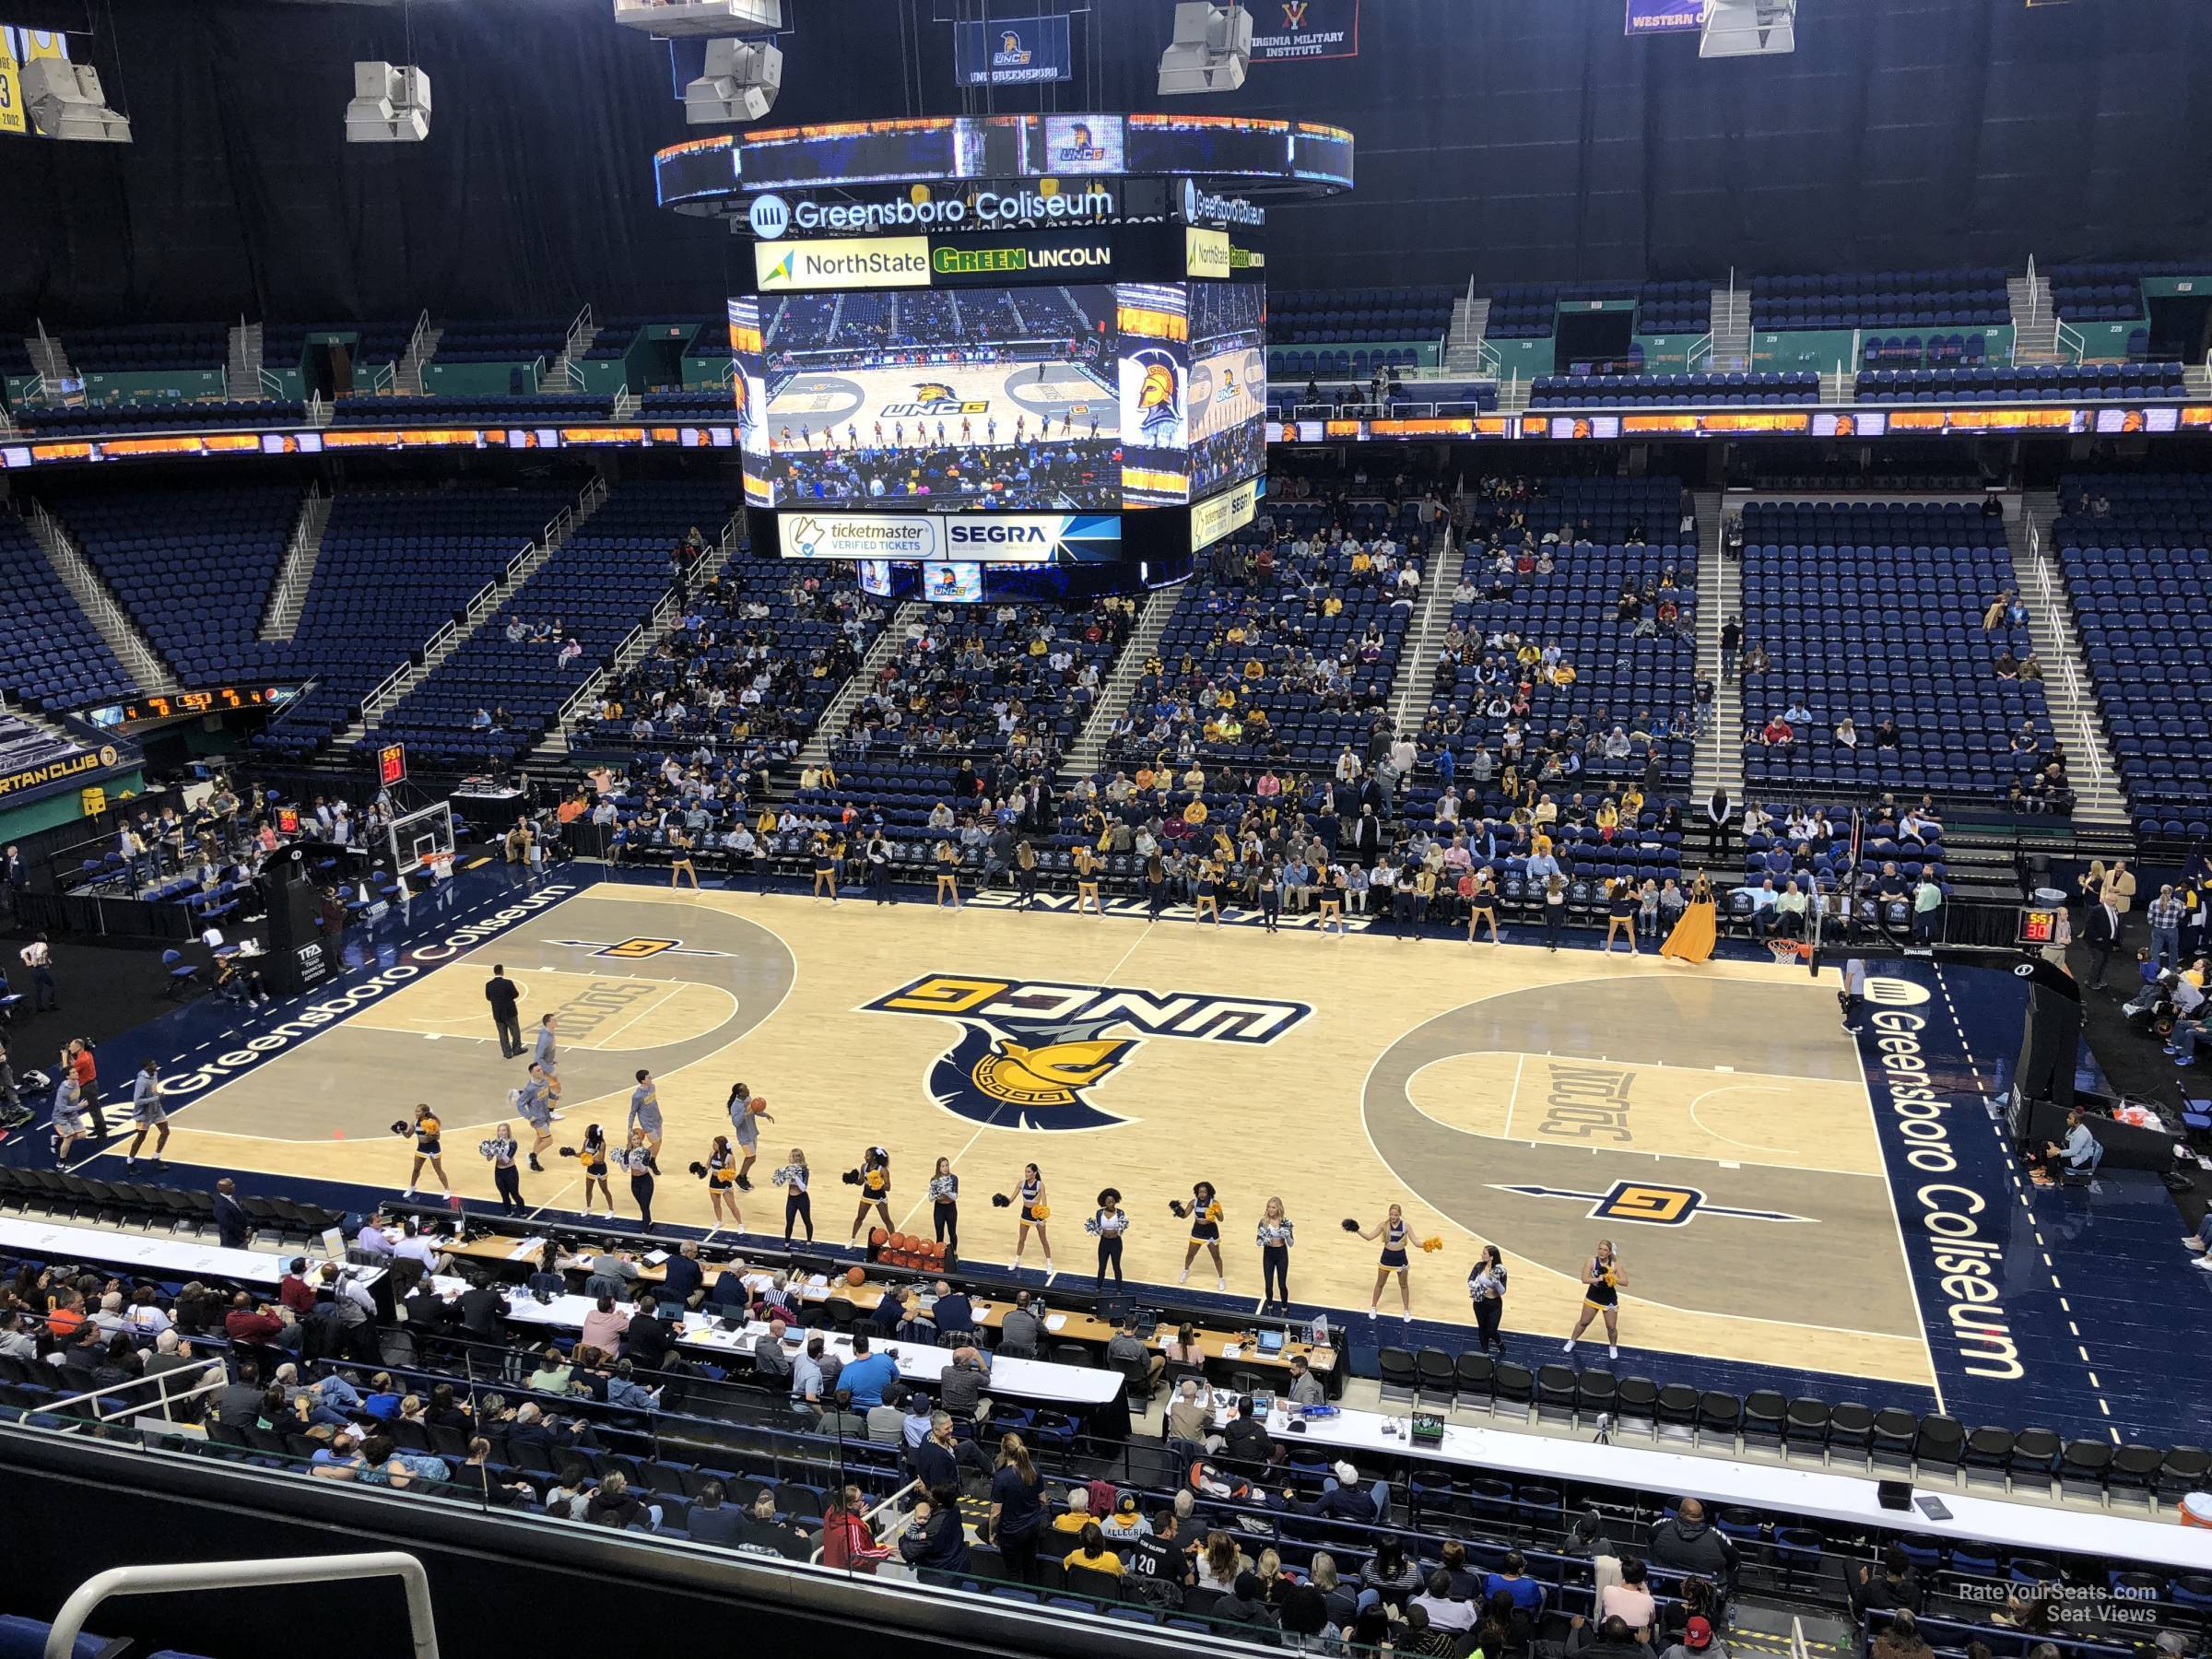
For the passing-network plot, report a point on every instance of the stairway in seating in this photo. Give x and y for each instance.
(554, 745)
(1720, 753)
(486, 606)
(883, 651)
(2034, 320)
(288, 596)
(2099, 800)
(99, 603)
(1463, 345)
(1416, 684)
(1087, 752)
(241, 367)
(1731, 330)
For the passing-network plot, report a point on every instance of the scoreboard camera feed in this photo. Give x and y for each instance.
(1229, 384)
(987, 398)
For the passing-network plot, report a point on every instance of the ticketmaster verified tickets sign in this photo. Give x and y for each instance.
(973, 538)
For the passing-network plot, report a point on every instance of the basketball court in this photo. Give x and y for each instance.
(815, 407)
(1712, 1121)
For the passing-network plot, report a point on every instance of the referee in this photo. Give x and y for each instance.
(1853, 998)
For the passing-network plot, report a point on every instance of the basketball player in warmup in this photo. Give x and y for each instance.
(534, 1103)
(1204, 1213)
(1086, 881)
(1602, 1281)
(748, 1112)
(546, 1053)
(148, 1113)
(429, 1149)
(592, 1155)
(1394, 1234)
(645, 1114)
(721, 1170)
(1029, 1199)
(798, 1201)
(873, 1178)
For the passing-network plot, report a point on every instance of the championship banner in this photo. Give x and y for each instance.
(1288, 30)
(1023, 52)
(12, 116)
(1665, 17)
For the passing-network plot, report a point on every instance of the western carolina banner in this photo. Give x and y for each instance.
(1665, 17)
(1283, 29)
(1009, 54)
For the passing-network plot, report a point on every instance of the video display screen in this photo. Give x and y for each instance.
(952, 583)
(1229, 384)
(993, 397)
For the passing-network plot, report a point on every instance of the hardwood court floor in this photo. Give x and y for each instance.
(1713, 1120)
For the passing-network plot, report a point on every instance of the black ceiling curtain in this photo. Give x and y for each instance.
(1512, 140)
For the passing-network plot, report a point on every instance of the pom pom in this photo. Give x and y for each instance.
(1000, 1201)
(1432, 1246)
(698, 1170)
(403, 1130)
(1178, 1208)
(568, 1151)
(851, 1178)
(1349, 1225)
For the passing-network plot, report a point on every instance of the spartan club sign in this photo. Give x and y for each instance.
(1305, 29)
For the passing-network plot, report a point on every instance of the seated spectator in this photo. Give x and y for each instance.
(1090, 1552)
(1630, 1600)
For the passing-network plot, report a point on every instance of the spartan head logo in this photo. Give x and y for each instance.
(934, 392)
(1029, 1053)
(1159, 395)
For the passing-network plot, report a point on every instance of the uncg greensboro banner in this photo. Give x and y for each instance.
(1665, 17)
(1018, 54)
(1284, 30)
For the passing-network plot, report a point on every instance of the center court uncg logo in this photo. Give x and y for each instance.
(1028, 1052)
(770, 217)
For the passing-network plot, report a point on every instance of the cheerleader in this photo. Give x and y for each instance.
(1205, 1214)
(944, 1205)
(499, 1152)
(1482, 904)
(1086, 881)
(636, 1159)
(1274, 1240)
(1486, 1289)
(722, 1184)
(1107, 1225)
(1602, 1281)
(1395, 1233)
(1035, 1212)
(949, 875)
(798, 1205)
(1209, 900)
(679, 863)
(873, 1178)
(825, 869)
(429, 1149)
(593, 1156)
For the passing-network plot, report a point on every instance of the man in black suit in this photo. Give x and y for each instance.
(501, 992)
(427, 1312)
(2100, 932)
(1244, 1437)
(482, 1309)
(233, 1227)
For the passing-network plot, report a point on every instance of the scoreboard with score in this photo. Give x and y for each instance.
(2038, 926)
(392, 765)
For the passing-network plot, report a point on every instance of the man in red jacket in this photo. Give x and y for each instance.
(245, 1323)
